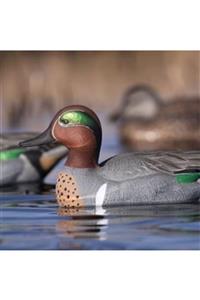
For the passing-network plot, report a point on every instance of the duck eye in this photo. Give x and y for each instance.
(63, 121)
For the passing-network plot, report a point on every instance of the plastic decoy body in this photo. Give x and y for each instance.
(19, 165)
(130, 178)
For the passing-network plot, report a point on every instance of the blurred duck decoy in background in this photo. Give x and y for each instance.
(131, 178)
(19, 165)
(147, 123)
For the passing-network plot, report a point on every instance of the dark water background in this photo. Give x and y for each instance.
(31, 219)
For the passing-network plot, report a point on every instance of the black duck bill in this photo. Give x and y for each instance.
(43, 138)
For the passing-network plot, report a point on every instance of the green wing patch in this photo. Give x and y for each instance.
(187, 177)
(10, 154)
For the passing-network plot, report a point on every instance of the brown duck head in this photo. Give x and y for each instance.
(77, 128)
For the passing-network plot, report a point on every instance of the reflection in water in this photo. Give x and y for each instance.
(135, 227)
(36, 222)
(83, 223)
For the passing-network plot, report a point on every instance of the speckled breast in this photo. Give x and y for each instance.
(67, 193)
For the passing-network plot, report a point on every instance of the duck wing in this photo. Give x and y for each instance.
(139, 164)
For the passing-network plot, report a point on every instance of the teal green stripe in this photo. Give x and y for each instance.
(187, 177)
(78, 117)
(10, 154)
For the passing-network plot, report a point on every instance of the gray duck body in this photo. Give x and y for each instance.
(136, 178)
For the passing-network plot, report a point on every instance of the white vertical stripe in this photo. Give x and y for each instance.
(100, 195)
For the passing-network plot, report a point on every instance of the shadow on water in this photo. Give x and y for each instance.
(31, 219)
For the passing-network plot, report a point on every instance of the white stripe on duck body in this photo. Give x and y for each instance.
(131, 178)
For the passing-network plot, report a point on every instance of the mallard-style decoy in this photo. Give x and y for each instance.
(147, 123)
(131, 178)
(19, 165)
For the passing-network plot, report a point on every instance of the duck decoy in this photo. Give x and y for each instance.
(147, 123)
(130, 178)
(19, 165)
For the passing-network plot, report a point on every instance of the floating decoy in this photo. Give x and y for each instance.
(130, 178)
(19, 165)
(147, 123)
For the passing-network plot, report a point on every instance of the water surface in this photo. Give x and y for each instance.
(35, 222)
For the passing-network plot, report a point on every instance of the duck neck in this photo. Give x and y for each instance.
(82, 158)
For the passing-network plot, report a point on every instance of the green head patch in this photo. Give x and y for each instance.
(80, 118)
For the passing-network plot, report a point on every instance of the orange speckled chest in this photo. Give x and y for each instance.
(67, 193)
